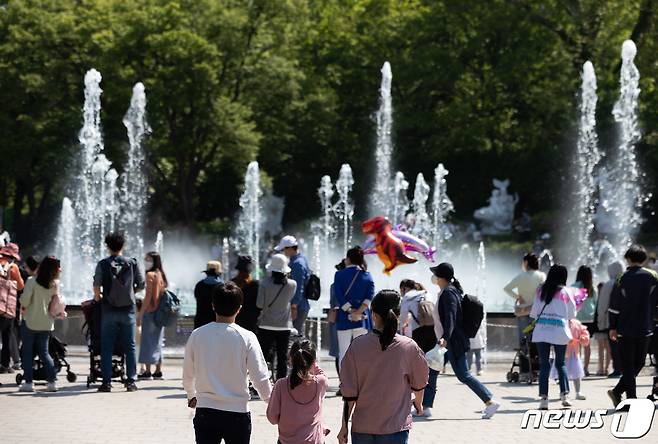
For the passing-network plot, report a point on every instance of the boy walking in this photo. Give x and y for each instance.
(219, 357)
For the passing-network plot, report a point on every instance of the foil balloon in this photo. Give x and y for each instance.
(390, 248)
(411, 244)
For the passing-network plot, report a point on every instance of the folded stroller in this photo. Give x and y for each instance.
(92, 331)
(57, 351)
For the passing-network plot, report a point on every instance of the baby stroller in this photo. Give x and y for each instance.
(526, 360)
(92, 331)
(57, 350)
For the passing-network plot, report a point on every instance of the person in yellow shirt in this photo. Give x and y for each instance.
(523, 289)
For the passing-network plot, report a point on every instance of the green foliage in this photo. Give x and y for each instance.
(488, 88)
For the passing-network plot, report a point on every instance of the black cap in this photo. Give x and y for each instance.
(245, 263)
(444, 270)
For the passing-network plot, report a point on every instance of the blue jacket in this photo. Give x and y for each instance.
(363, 290)
(633, 303)
(300, 273)
(450, 313)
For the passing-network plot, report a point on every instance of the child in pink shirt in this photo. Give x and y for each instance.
(296, 401)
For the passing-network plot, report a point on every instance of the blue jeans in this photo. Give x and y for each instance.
(36, 339)
(459, 365)
(522, 323)
(393, 438)
(544, 350)
(118, 326)
(430, 390)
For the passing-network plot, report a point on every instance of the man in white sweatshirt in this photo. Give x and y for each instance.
(219, 357)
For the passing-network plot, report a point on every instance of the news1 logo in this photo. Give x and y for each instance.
(638, 419)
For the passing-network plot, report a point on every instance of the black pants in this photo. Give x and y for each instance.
(9, 342)
(614, 354)
(633, 353)
(212, 426)
(279, 339)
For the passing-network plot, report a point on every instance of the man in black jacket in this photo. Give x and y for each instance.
(632, 307)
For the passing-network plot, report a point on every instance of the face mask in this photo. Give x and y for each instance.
(148, 265)
(435, 280)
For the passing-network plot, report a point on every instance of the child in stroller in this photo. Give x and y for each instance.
(57, 350)
(92, 331)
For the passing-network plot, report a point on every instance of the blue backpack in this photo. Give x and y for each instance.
(168, 310)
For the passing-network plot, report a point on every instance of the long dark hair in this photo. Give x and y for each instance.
(157, 264)
(279, 278)
(357, 257)
(302, 358)
(555, 280)
(410, 284)
(47, 271)
(586, 278)
(386, 304)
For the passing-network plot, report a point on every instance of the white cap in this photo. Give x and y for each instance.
(287, 241)
(279, 263)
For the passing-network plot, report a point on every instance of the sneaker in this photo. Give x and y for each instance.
(491, 409)
(158, 376)
(614, 397)
(543, 404)
(427, 412)
(16, 366)
(565, 400)
(105, 388)
(26, 387)
(580, 396)
(51, 387)
(131, 387)
(145, 376)
(479, 373)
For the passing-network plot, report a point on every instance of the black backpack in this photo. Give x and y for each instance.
(122, 291)
(472, 315)
(312, 291)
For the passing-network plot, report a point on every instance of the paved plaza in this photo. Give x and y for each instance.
(157, 413)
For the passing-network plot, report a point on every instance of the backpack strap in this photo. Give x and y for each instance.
(277, 296)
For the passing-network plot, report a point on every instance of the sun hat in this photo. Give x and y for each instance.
(444, 270)
(11, 250)
(213, 266)
(279, 264)
(286, 242)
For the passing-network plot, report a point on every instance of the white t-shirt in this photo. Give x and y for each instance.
(219, 358)
(553, 323)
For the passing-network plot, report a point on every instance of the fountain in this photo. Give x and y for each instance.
(134, 182)
(587, 158)
(442, 206)
(401, 201)
(158, 245)
(226, 259)
(626, 177)
(326, 224)
(249, 221)
(382, 203)
(344, 208)
(65, 243)
(422, 226)
(481, 292)
(497, 218)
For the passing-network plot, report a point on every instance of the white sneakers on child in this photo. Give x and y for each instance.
(580, 396)
(26, 387)
(490, 409)
(564, 397)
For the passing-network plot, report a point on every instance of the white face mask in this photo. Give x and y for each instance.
(435, 280)
(148, 264)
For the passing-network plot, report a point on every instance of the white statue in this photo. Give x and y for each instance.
(497, 218)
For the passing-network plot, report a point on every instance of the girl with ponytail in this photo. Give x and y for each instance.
(379, 373)
(449, 330)
(296, 401)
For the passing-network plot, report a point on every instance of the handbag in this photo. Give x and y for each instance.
(530, 328)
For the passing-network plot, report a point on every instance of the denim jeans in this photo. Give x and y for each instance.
(118, 326)
(393, 438)
(544, 350)
(212, 426)
(459, 365)
(36, 339)
(477, 353)
(430, 390)
(522, 322)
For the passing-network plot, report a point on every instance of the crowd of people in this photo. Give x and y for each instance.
(380, 339)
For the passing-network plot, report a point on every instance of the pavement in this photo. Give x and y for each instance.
(158, 413)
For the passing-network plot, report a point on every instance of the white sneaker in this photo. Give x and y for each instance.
(543, 404)
(565, 400)
(427, 412)
(491, 409)
(580, 396)
(479, 373)
(51, 387)
(26, 387)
